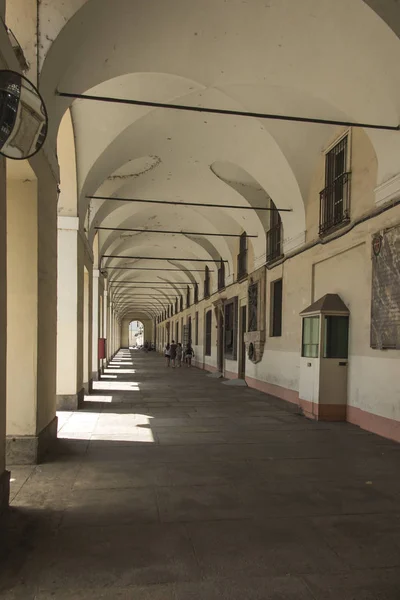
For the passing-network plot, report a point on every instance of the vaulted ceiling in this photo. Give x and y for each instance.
(330, 59)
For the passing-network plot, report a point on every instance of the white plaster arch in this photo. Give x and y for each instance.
(68, 197)
(319, 21)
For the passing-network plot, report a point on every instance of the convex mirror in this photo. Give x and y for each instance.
(23, 117)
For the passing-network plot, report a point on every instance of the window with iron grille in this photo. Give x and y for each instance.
(230, 323)
(335, 197)
(276, 308)
(176, 305)
(177, 331)
(206, 282)
(221, 275)
(208, 333)
(242, 257)
(187, 297)
(196, 330)
(274, 235)
(196, 293)
(181, 302)
(252, 307)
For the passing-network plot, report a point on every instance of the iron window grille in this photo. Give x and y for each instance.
(196, 293)
(335, 197)
(252, 303)
(196, 331)
(208, 333)
(181, 303)
(231, 328)
(242, 257)
(276, 308)
(206, 282)
(274, 236)
(187, 297)
(221, 275)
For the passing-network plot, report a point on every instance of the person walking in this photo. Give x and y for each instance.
(146, 347)
(179, 351)
(189, 354)
(167, 354)
(172, 352)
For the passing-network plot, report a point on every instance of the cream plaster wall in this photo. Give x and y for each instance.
(341, 266)
(67, 308)
(22, 310)
(3, 309)
(3, 294)
(84, 348)
(125, 333)
(47, 296)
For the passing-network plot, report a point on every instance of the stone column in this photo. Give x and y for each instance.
(105, 324)
(109, 330)
(4, 475)
(69, 395)
(95, 324)
(31, 422)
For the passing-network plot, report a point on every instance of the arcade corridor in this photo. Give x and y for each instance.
(171, 485)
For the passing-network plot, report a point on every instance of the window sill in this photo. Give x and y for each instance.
(334, 229)
(275, 259)
(241, 277)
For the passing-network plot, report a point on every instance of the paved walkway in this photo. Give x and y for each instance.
(170, 485)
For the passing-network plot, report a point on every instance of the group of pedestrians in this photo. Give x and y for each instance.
(175, 354)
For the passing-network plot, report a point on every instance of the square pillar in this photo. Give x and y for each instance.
(70, 391)
(4, 475)
(96, 325)
(31, 423)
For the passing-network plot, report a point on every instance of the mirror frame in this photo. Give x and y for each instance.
(45, 114)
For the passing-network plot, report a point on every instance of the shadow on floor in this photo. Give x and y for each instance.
(169, 485)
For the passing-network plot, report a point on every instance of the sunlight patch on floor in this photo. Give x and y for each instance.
(120, 371)
(129, 386)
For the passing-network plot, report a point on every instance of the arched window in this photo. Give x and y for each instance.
(206, 282)
(274, 235)
(242, 257)
(187, 297)
(221, 275)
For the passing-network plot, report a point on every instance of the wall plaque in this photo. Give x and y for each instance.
(385, 304)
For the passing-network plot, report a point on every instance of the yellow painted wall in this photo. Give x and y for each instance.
(22, 306)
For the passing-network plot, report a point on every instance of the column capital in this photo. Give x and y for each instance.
(96, 273)
(70, 223)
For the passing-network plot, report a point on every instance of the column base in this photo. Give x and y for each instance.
(70, 401)
(88, 386)
(4, 490)
(30, 449)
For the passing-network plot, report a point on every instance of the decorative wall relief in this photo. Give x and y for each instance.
(255, 337)
(385, 302)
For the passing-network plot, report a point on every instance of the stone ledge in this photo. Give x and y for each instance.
(30, 449)
(70, 401)
(4, 490)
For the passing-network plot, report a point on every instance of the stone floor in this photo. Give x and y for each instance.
(172, 486)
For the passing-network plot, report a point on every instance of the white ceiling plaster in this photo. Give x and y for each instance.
(316, 58)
